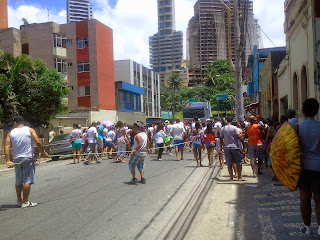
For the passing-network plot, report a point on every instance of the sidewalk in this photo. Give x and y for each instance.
(255, 209)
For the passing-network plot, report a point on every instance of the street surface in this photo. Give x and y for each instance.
(96, 201)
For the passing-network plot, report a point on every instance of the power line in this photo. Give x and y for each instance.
(266, 35)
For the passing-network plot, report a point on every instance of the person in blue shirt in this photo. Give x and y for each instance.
(309, 182)
(100, 130)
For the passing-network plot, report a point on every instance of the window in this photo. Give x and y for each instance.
(128, 97)
(82, 43)
(25, 48)
(69, 64)
(69, 42)
(59, 40)
(83, 67)
(134, 102)
(84, 91)
(60, 65)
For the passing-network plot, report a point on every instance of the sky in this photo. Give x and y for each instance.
(134, 21)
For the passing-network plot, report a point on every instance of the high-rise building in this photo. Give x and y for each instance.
(3, 14)
(166, 46)
(78, 10)
(207, 36)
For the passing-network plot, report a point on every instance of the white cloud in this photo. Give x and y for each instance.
(133, 22)
(33, 15)
(271, 18)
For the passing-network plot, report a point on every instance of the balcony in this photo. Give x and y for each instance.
(59, 51)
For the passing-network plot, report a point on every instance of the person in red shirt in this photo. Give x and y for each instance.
(255, 145)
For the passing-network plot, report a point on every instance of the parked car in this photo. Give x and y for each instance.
(60, 145)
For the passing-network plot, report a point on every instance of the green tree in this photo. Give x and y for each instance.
(220, 78)
(174, 83)
(30, 89)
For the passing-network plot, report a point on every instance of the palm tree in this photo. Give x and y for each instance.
(175, 83)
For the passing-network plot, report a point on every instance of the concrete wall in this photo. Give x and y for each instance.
(122, 71)
(40, 40)
(10, 41)
(130, 118)
(68, 122)
(102, 115)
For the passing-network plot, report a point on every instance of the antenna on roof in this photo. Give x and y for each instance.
(25, 22)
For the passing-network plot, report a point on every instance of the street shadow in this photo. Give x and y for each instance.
(137, 237)
(130, 184)
(7, 206)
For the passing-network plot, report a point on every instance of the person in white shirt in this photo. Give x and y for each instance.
(92, 136)
(217, 130)
(109, 141)
(139, 152)
(177, 131)
(75, 138)
(159, 139)
(21, 140)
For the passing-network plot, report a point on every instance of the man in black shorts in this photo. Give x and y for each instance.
(309, 181)
(229, 136)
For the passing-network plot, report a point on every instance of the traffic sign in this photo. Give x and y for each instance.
(193, 100)
(222, 96)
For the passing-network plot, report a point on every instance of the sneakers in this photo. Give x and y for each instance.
(29, 204)
(143, 180)
(306, 230)
(19, 204)
(170, 154)
(133, 181)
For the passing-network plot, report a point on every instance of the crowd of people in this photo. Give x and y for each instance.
(233, 142)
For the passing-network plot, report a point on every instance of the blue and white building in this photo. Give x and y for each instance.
(138, 88)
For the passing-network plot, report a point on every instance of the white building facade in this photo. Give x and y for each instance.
(299, 69)
(134, 73)
(166, 46)
(79, 10)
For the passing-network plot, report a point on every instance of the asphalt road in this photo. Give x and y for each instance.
(96, 201)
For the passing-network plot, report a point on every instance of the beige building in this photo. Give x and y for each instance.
(10, 41)
(80, 51)
(183, 73)
(269, 84)
(297, 73)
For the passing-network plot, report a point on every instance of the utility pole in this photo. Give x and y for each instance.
(239, 95)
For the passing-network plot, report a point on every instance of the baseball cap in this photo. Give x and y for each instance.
(178, 118)
(208, 120)
(139, 124)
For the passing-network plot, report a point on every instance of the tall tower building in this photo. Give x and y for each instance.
(3, 14)
(207, 36)
(78, 10)
(166, 46)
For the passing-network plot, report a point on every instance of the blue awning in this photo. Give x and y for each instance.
(132, 88)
